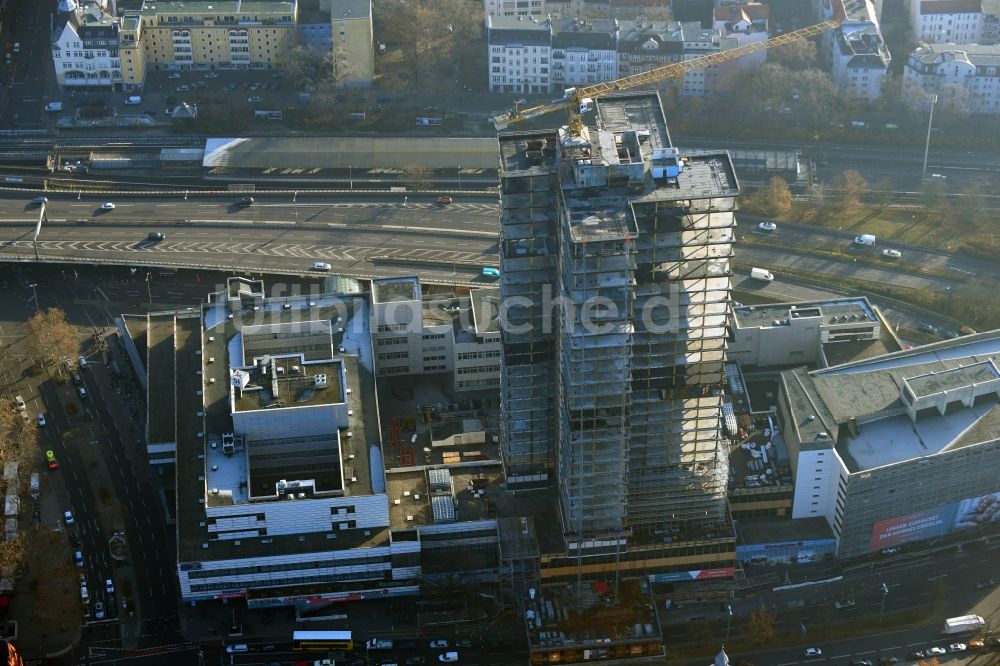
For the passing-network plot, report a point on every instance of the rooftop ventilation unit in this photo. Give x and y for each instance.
(228, 444)
(319, 381)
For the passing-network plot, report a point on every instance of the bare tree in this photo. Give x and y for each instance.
(795, 55)
(761, 627)
(51, 338)
(10, 370)
(773, 199)
(850, 185)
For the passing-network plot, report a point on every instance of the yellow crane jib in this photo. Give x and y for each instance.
(580, 99)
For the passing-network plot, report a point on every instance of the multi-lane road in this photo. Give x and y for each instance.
(279, 234)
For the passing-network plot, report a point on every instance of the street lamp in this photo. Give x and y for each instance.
(729, 620)
(34, 296)
(927, 145)
(885, 593)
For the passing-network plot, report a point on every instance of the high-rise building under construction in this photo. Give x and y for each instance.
(616, 252)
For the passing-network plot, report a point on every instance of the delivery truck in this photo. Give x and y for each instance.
(963, 624)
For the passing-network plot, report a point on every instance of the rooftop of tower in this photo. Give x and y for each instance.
(626, 160)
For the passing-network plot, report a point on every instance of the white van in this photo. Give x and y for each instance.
(761, 274)
(133, 100)
(54, 106)
(865, 239)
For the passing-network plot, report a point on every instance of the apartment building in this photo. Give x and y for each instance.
(520, 52)
(644, 44)
(353, 41)
(584, 51)
(205, 35)
(954, 21)
(616, 246)
(515, 8)
(415, 335)
(965, 77)
(85, 46)
(745, 23)
(861, 60)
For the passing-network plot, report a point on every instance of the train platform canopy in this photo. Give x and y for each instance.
(349, 152)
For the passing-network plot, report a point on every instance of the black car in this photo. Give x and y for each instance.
(414, 661)
(914, 656)
(406, 645)
(269, 648)
(245, 201)
(155, 236)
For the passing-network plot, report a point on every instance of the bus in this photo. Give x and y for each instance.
(322, 640)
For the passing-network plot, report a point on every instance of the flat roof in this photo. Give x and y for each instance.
(350, 9)
(161, 413)
(387, 290)
(331, 463)
(343, 152)
(486, 310)
(292, 383)
(858, 404)
(217, 7)
(752, 531)
(841, 311)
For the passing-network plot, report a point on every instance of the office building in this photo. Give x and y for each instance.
(616, 246)
(897, 448)
(965, 78)
(457, 335)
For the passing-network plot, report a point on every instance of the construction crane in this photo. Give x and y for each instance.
(581, 99)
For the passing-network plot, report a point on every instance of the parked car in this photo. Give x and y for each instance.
(888, 660)
(174, 76)
(844, 604)
(437, 644)
(915, 656)
(83, 361)
(977, 644)
(463, 643)
(255, 99)
(52, 463)
(68, 517)
(211, 75)
(448, 657)
(861, 662)
(927, 328)
(936, 651)
(416, 660)
(41, 420)
(109, 586)
(767, 226)
(19, 403)
(98, 611)
(957, 647)
(983, 584)
(892, 254)
(239, 648)
(82, 391)
(78, 558)
(77, 380)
